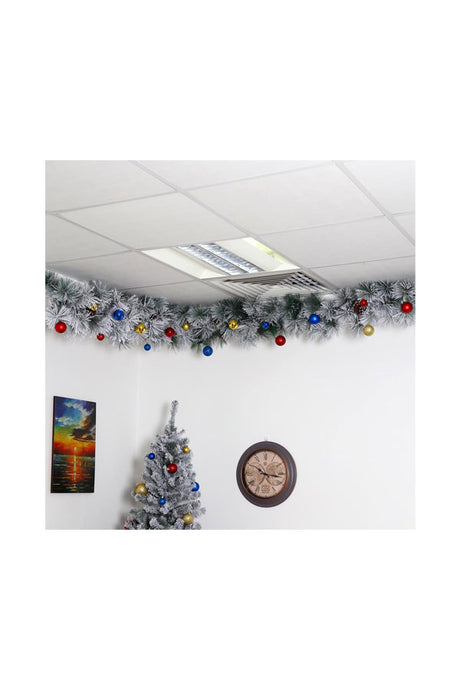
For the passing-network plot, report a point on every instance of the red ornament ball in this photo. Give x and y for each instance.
(280, 340)
(406, 307)
(169, 332)
(363, 303)
(100, 336)
(60, 327)
(172, 468)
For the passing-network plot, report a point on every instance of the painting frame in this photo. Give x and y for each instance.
(73, 452)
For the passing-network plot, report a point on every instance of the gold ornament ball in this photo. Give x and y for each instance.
(188, 518)
(140, 328)
(186, 449)
(368, 330)
(93, 307)
(233, 324)
(141, 489)
(186, 326)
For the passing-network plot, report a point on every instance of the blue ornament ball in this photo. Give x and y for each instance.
(118, 314)
(151, 456)
(196, 487)
(314, 318)
(265, 325)
(147, 347)
(162, 501)
(207, 351)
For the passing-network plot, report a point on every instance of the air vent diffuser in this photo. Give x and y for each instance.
(271, 284)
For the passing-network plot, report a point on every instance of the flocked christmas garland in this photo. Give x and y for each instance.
(94, 309)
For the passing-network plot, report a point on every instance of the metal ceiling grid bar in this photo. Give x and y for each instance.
(341, 166)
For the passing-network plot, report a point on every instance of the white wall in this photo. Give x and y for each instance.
(90, 370)
(344, 409)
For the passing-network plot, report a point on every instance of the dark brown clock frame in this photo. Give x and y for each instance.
(290, 469)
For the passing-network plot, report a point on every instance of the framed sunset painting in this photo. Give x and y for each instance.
(74, 446)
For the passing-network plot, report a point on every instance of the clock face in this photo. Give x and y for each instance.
(266, 474)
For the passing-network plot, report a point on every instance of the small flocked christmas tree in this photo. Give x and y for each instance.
(169, 496)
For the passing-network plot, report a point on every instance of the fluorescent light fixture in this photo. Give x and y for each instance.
(186, 264)
(221, 258)
(227, 257)
(257, 253)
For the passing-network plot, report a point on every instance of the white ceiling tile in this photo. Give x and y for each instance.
(66, 241)
(316, 216)
(161, 221)
(407, 220)
(293, 200)
(392, 183)
(364, 240)
(71, 184)
(121, 270)
(186, 174)
(184, 293)
(352, 274)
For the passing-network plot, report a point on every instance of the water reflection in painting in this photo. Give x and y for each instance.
(74, 446)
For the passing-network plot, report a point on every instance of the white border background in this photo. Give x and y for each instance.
(241, 80)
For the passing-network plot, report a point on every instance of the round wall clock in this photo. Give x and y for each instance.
(266, 474)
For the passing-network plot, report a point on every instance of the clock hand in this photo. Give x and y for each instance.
(264, 473)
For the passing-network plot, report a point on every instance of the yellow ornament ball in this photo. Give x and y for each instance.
(141, 489)
(186, 326)
(188, 518)
(186, 449)
(140, 328)
(233, 324)
(93, 307)
(368, 330)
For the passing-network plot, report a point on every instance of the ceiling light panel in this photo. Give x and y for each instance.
(226, 258)
(239, 261)
(199, 252)
(184, 262)
(253, 251)
(232, 261)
